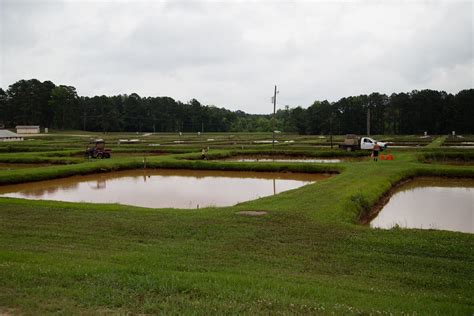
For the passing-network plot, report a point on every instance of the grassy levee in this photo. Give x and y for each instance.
(54, 157)
(447, 156)
(21, 149)
(318, 153)
(437, 142)
(61, 171)
(308, 255)
(292, 152)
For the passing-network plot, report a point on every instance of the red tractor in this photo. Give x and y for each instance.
(97, 150)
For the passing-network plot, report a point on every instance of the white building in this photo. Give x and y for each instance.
(7, 136)
(28, 129)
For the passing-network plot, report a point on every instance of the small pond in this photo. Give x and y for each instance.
(430, 203)
(163, 188)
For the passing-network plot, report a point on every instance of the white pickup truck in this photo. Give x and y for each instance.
(353, 142)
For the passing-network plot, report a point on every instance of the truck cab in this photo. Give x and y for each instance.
(368, 143)
(353, 142)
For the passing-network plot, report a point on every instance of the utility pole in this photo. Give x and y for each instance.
(274, 111)
(330, 129)
(368, 121)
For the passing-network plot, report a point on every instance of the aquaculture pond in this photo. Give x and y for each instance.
(163, 188)
(430, 203)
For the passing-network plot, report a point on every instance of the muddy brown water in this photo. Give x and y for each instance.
(163, 188)
(430, 203)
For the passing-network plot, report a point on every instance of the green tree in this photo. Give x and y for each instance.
(298, 119)
(64, 103)
(28, 103)
(464, 113)
(320, 115)
(378, 107)
(3, 107)
(133, 114)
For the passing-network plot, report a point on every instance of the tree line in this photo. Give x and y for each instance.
(32, 102)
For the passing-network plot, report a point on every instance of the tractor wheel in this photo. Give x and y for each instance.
(107, 155)
(99, 156)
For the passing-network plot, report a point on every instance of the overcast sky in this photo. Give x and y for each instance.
(232, 53)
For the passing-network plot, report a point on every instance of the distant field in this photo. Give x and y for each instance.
(79, 140)
(308, 253)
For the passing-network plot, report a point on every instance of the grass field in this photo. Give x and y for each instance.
(308, 255)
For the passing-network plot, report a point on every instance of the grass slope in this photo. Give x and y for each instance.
(437, 142)
(308, 255)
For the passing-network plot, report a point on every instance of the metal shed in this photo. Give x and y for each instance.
(28, 129)
(7, 136)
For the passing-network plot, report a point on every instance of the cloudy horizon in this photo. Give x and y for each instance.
(231, 54)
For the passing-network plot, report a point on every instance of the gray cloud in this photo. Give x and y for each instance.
(232, 53)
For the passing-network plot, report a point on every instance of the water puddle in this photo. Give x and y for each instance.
(430, 203)
(163, 188)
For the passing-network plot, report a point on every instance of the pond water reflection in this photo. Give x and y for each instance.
(163, 188)
(430, 203)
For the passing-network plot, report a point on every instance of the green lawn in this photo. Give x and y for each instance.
(308, 255)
